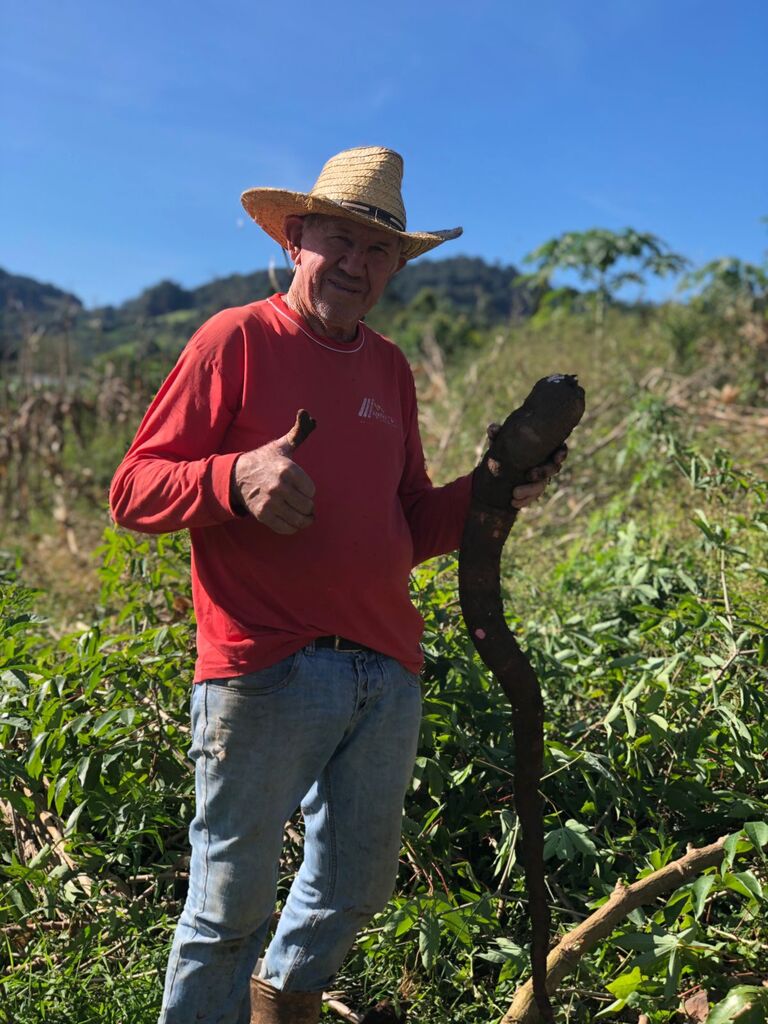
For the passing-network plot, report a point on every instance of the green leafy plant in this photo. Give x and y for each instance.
(610, 259)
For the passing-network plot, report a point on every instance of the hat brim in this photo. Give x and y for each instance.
(270, 207)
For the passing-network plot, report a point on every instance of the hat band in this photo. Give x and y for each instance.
(374, 212)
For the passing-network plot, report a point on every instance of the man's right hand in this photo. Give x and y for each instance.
(273, 488)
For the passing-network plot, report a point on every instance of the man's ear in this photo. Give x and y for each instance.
(400, 264)
(294, 225)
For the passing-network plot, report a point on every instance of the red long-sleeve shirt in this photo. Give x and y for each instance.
(259, 595)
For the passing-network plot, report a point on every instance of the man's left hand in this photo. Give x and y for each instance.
(539, 476)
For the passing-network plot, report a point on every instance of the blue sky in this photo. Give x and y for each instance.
(129, 130)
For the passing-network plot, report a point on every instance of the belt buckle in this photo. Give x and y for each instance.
(341, 644)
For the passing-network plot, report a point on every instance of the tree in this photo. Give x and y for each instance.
(610, 259)
(164, 297)
(728, 282)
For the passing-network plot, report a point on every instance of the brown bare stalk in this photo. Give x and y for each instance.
(624, 899)
(341, 1009)
(42, 829)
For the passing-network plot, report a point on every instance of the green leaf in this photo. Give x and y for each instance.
(61, 791)
(757, 832)
(580, 838)
(401, 920)
(35, 758)
(599, 763)
(674, 965)
(642, 942)
(14, 722)
(82, 768)
(507, 951)
(460, 775)
(77, 724)
(429, 940)
(730, 848)
(748, 1004)
(701, 890)
(568, 841)
(745, 883)
(103, 720)
(69, 828)
(631, 722)
(614, 1007)
(666, 943)
(660, 722)
(626, 983)
(434, 778)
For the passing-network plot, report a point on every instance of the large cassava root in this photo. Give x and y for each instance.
(528, 437)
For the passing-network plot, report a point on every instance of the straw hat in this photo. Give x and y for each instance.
(361, 184)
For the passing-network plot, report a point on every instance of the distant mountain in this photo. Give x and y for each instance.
(240, 289)
(27, 293)
(27, 305)
(467, 283)
(165, 314)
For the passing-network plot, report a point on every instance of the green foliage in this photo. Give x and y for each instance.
(595, 254)
(726, 281)
(430, 319)
(96, 787)
(654, 674)
(723, 329)
(25, 305)
(745, 1003)
(487, 292)
(724, 324)
(639, 591)
(164, 297)
(610, 259)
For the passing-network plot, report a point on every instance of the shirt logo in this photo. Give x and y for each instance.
(371, 410)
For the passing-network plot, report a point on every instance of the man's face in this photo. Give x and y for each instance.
(342, 268)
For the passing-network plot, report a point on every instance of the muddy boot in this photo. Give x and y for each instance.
(270, 1005)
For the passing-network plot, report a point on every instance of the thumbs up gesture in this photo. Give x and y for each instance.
(268, 484)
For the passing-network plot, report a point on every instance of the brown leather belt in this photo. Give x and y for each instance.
(340, 643)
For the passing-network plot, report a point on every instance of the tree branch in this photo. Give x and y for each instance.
(584, 937)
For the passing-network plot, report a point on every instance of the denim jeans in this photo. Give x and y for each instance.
(334, 732)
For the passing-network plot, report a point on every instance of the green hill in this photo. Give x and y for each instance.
(28, 306)
(163, 316)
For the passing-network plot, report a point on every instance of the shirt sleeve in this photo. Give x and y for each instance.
(435, 515)
(172, 476)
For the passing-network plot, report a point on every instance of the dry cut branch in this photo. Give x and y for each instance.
(625, 898)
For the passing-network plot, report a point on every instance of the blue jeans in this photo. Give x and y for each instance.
(335, 733)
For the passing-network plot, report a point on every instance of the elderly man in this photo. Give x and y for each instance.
(307, 690)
